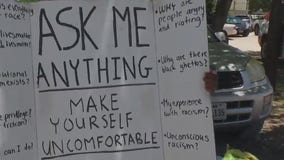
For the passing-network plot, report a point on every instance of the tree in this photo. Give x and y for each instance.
(275, 33)
(221, 13)
(210, 5)
(255, 5)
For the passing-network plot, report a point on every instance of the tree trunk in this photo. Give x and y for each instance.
(275, 33)
(222, 9)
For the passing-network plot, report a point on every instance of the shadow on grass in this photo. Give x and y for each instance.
(280, 82)
(267, 145)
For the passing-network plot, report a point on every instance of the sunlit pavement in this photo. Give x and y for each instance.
(247, 44)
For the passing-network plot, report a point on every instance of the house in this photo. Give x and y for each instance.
(239, 7)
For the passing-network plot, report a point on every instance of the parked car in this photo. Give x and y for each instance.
(244, 96)
(230, 29)
(257, 20)
(247, 19)
(242, 28)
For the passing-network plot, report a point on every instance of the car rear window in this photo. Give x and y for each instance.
(233, 20)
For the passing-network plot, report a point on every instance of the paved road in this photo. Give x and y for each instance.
(247, 44)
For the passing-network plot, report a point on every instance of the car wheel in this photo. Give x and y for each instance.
(246, 33)
(256, 30)
(262, 49)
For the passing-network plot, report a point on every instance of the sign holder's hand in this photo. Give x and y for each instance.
(210, 79)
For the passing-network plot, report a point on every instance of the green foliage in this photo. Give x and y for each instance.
(210, 5)
(236, 154)
(255, 5)
(210, 9)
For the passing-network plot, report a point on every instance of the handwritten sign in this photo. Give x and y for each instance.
(17, 108)
(96, 81)
(110, 80)
(182, 60)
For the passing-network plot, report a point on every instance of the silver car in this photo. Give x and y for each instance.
(244, 96)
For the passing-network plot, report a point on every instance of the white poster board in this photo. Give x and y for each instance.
(182, 51)
(17, 118)
(96, 81)
(118, 79)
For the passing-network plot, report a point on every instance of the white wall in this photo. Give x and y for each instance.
(239, 7)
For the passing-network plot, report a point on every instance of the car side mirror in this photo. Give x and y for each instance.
(222, 36)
